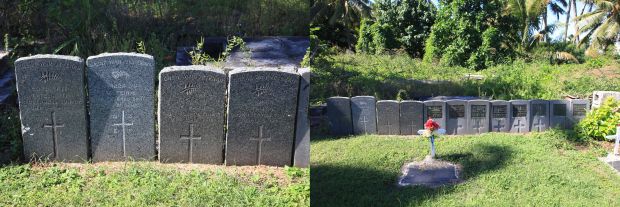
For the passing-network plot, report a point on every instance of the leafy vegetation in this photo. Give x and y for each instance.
(201, 58)
(392, 76)
(600, 122)
(151, 184)
(499, 170)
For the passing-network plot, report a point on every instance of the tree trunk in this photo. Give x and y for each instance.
(570, 5)
(544, 29)
(576, 38)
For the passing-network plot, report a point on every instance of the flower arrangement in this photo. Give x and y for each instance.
(430, 127)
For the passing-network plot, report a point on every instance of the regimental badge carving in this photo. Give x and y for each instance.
(260, 90)
(119, 74)
(48, 76)
(189, 89)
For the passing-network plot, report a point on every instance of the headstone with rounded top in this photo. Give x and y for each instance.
(363, 113)
(411, 117)
(339, 116)
(388, 115)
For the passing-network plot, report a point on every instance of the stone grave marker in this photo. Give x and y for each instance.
(478, 116)
(302, 131)
(52, 104)
(457, 122)
(437, 111)
(122, 113)
(500, 116)
(191, 114)
(262, 108)
(559, 114)
(411, 116)
(388, 117)
(578, 110)
(539, 115)
(598, 97)
(339, 116)
(364, 116)
(520, 116)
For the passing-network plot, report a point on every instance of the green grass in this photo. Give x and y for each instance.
(394, 77)
(152, 184)
(538, 169)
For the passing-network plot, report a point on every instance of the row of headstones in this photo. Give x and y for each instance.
(365, 115)
(247, 116)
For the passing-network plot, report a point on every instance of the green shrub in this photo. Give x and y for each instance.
(600, 122)
(10, 132)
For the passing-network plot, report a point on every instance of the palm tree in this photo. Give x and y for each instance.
(531, 13)
(601, 26)
(341, 17)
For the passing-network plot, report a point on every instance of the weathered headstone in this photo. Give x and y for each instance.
(339, 116)
(191, 114)
(520, 116)
(559, 114)
(501, 112)
(364, 115)
(478, 118)
(456, 122)
(302, 131)
(262, 108)
(121, 93)
(598, 97)
(52, 104)
(411, 117)
(578, 110)
(437, 111)
(388, 117)
(539, 115)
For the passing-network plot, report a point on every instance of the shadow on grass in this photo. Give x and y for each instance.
(355, 185)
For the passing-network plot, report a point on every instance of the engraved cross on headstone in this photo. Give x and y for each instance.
(54, 127)
(365, 121)
(260, 139)
(123, 124)
(412, 127)
(519, 125)
(477, 125)
(499, 125)
(539, 124)
(389, 126)
(191, 137)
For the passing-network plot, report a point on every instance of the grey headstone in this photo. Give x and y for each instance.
(501, 111)
(578, 110)
(598, 97)
(52, 107)
(437, 111)
(559, 114)
(457, 121)
(364, 115)
(388, 117)
(478, 118)
(122, 113)
(411, 117)
(339, 115)
(191, 114)
(539, 115)
(262, 105)
(302, 131)
(520, 116)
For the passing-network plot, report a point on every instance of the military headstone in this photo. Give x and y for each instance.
(191, 114)
(122, 113)
(262, 108)
(478, 116)
(364, 115)
(501, 112)
(388, 117)
(539, 115)
(520, 116)
(302, 131)
(411, 117)
(559, 114)
(578, 110)
(339, 116)
(52, 104)
(437, 111)
(456, 122)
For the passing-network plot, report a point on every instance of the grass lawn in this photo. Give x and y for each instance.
(537, 169)
(152, 184)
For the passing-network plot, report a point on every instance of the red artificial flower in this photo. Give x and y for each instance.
(430, 124)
